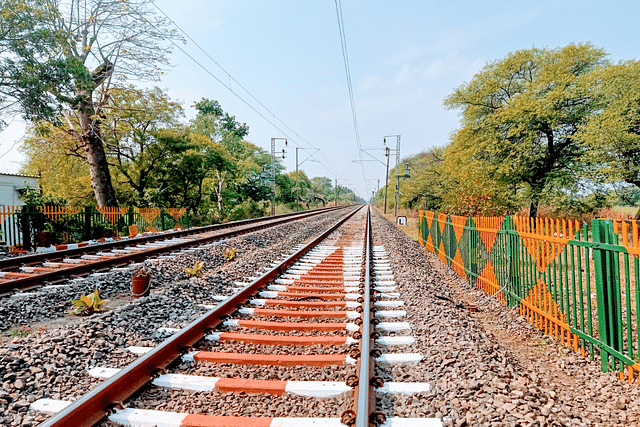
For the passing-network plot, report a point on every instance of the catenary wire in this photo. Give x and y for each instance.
(228, 87)
(345, 58)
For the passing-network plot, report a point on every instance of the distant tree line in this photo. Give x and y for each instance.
(97, 139)
(542, 126)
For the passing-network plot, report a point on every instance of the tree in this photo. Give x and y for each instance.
(188, 171)
(612, 137)
(214, 122)
(132, 122)
(64, 175)
(429, 180)
(28, 58)
(304, 185)
(521, 115)
(96, 43)
(321, 190)
(474, 188)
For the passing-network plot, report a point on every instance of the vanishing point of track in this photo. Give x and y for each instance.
(327, 280)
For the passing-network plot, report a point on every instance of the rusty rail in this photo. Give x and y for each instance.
(238, 227)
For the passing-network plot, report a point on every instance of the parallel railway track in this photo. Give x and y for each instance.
(32, 271)
(331, 294)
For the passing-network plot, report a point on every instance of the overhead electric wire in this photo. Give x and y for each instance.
(310, 146)
(345, 58)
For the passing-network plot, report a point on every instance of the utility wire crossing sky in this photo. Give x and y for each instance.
(280, 67)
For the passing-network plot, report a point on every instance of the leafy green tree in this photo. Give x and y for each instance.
(214, 122)
(183, 179)
(64, 174)
(521, 115)
(96, 42)
(132, 121)
(244, 160)
(300, 191)
(428, 184)
(29, 60)
(612, 136)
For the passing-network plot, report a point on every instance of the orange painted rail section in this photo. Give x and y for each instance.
(281, 340)
(271, 359)
(311, 294)
(300, 313)
(302, 304)
(292, 326)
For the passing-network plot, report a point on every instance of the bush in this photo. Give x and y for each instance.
(248, 209)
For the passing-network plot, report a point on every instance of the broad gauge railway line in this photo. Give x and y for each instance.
(31, 271)
(318, 309)
(340, 321)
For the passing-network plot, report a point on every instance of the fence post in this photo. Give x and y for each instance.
(26, 228)
(86, 231)
(473, 250)
(513, 287)
(131, 215)
(607, 291)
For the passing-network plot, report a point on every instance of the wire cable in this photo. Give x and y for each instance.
(345, 58)
(228, 87)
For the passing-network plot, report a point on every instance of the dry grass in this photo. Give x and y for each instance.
(413, 222)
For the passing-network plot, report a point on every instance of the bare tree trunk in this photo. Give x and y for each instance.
(88, 137)
(219, 185)
(99, 172)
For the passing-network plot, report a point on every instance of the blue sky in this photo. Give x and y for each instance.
(405, 57)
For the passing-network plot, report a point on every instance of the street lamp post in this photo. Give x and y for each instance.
(273, 171)
(403, 176)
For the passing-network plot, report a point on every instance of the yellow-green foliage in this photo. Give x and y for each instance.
(195, 271)
(230, 254)
(87, 305)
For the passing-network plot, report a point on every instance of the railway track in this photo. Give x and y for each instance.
(32, 271)
(324, 311)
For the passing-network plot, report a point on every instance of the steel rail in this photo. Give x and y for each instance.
(95, 405)
(40, 279)
(363, 412)
(364, 394)
(53, 256)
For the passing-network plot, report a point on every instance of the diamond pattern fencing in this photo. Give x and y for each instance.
(26, 227)
(577, 282)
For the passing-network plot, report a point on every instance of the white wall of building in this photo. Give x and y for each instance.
(10, 186)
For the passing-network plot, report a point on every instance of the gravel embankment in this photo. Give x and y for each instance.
(260, 404)
(491, 367)
(51, 361)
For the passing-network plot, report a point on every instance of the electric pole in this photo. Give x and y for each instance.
(397, 154)
(386, 177)
(273, 172)
(403, 176)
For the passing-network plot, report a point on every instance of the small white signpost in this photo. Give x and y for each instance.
(401, 220)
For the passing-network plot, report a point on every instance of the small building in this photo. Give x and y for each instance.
(12, 186)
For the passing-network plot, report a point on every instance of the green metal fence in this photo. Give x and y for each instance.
(575, 281)
(26, 227)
